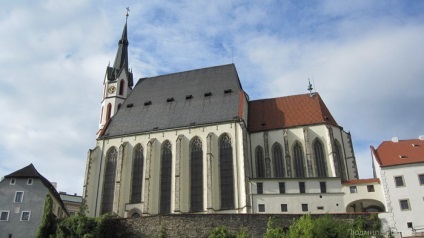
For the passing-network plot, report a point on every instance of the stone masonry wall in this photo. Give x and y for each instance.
(201, 225)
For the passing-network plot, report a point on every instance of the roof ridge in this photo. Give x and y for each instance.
(187, 71)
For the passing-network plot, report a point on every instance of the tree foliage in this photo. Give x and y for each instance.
(76, 226)
(220, 232)
(327, 226)
(48, 223)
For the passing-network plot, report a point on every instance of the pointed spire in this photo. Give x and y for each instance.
(121, 58)
(120, 64)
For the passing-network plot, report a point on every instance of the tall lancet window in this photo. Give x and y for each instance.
(121, 87)
(109, 180)
(226, 172)
(298, 161)
(277, 156)
(137, 174)
(165, 178)
(319, 159)
(338, 162)
(196, 173)
(108, 111)
(260, 163)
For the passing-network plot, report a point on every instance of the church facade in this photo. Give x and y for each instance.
(193, 142)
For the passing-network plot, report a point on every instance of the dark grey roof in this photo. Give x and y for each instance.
(163, 102)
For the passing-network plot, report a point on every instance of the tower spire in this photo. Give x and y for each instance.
(121, 60)
(118, 81)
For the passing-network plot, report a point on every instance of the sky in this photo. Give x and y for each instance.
(365, 58)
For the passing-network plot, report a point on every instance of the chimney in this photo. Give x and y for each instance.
(395, 139)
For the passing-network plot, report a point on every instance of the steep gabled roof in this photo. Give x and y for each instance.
(196, 97)
(30, 172)
(391, 153)
(285, 112)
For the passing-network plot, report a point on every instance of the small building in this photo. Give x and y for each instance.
(316, 195)
(399, 164)
(72, 202)
(22, 200)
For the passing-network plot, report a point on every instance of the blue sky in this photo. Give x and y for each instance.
(364, 57)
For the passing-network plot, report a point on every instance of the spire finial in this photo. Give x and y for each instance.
(310, 88)
(128, 10)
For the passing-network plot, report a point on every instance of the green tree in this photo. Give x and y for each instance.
(220, 232)
(48, 224)
(272, 231)
(302, 228)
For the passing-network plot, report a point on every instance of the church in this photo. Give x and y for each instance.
(193, 142)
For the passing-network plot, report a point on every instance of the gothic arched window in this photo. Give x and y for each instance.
(137, 174)
(277, 156)
(196, 173)
(298, 161)
(319, 159)
(338, 161)
(109, 180)
(226, 172)
(260, 163)
(121, 87)
(108, 111)
(165, 178)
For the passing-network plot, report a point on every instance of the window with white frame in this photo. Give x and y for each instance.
(284, 207)
(301, 187)
(29, 181)
(421, 179)
(12, 181)
(25, 216)
(323, 187)
(260, 188)
(353, 189)
(399, 181)
(19, 196)
(404, 205)
(261, 207)
(305, 207)
(370, 188)
(4, 215)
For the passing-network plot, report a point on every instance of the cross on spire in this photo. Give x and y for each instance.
(128, 10)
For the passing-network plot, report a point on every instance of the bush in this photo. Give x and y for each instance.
(220, 232)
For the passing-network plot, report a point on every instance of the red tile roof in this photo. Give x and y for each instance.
(391, 153)
(285, 112)
(361, 181)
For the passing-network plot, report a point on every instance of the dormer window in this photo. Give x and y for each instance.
(170, 100)
(227, 91)
(189, 97)
(129, 105)
(147, 103)
(208, 94)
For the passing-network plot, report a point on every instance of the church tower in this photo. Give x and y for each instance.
(118, 82)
